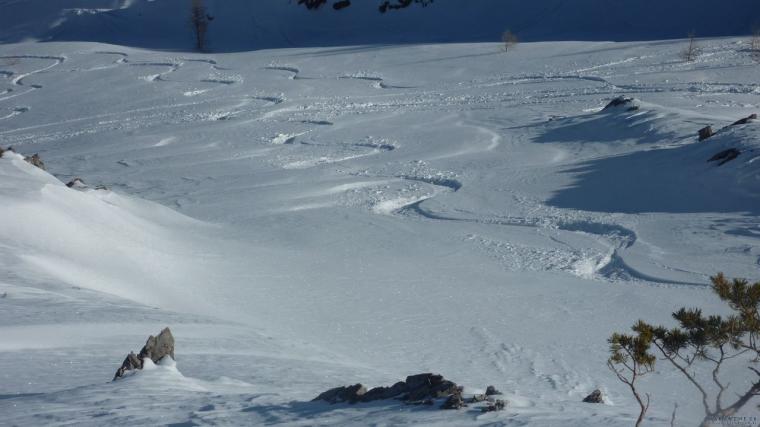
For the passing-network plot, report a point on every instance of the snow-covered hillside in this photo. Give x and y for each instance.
(308, 218)
(244, 25)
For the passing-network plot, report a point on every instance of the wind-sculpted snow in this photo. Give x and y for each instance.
(486, 218)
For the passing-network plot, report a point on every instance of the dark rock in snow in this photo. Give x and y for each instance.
(76, 184)
(454, 401)
(745, 120)
(705, 133)
(725, 156)
(349, 394)
(342, 4)
(416, 390)
(491, 391)
(36, 161)
(381, 393)
(621, 101)
(1, 152)
(594, 397)
(155, 349)
(423, 386)
(498, 405)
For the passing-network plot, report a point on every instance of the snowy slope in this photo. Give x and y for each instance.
(245, 25)
(308, 218)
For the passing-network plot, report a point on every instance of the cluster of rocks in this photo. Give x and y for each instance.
(421, 389)
(731, 153)
(155, 349)
(33, 159)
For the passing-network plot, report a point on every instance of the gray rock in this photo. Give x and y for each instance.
(1, 152)
(745, 120)
(621, 101)
(36, 161)
(705, 133)
(491, 391)
(594, 397)
(478, 398)
(423, 386)
(155, 349)
(158, 347)
(348, 394)
(455, 401)
(76, 184)
(498, 405)
(381, 393)
(725, 156)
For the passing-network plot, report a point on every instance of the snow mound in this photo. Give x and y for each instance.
(95, 239)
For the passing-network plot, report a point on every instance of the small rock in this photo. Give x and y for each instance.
(155, 349)
(342, 4)
(594, 397)
(1, 152)
(36, 161)
(705, 133)
(454, 401)
(498, 405)
(76, 184)
(745, 120)
(620, 101)
(491, 391)
(725, 156)
(348, 394)
(478, 398)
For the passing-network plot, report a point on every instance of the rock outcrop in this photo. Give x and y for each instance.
(745, 120)
(155, 349)
(725, 156)
(36, 161)
(705, 133)
(595, 397)
(622, 101)
(417, 389)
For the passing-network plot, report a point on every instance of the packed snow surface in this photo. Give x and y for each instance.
(309, 218)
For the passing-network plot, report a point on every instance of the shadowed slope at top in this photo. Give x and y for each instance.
(240, 25)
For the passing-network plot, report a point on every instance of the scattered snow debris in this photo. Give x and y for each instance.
(498, 405)
(492, 391)
(594, 397)
(745, 120)
(705, 133)
(36, 161)
(725, 156)
(155, 349)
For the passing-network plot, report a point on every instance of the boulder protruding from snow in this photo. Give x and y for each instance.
(348, 394)
(155, 349)
(622, 101)
(725, 156)
(745, 120)
(497, 405)
(455, 401)
(595, 397)
(491, 391)
(417, 389)
(76, 184)
(36, 161)
(705, 133)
